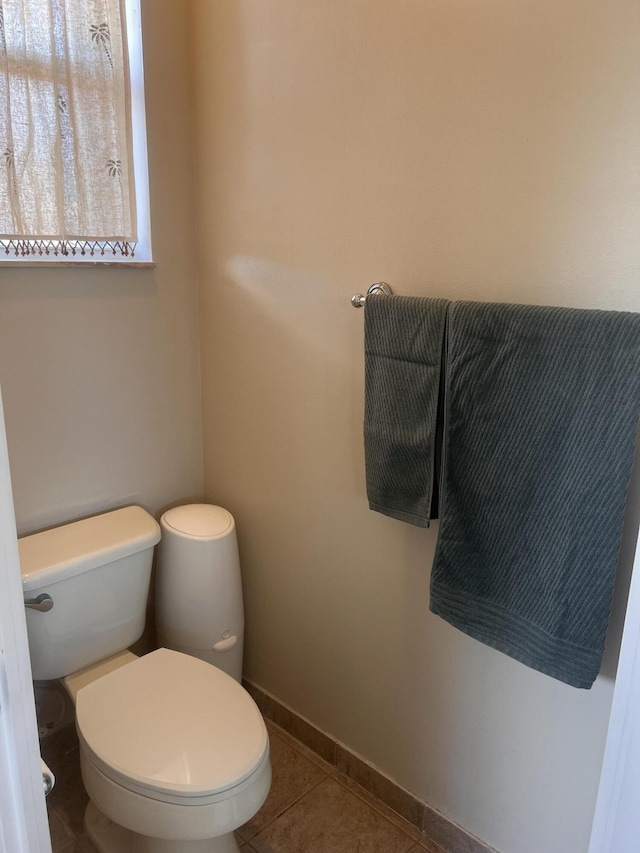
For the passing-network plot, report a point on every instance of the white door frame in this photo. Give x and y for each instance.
(23, 814)
(616, 823)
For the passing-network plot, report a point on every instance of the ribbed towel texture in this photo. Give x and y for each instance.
(403, 338)
(540, 426)
(540, 417)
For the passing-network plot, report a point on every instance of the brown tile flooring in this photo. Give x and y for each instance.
(312, 808)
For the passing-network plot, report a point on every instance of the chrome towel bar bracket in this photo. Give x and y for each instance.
(378, 287)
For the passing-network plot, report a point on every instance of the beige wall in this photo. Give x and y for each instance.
(458, 149)
(99, 368)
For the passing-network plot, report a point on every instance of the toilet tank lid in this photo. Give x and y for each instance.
(56, 554)
(200, 521)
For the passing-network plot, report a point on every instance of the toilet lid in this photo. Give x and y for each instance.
(171, 724)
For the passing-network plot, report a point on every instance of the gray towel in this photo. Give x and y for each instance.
(403, 341)
(540, 425)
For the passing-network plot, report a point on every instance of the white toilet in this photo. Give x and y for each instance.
(174, 752)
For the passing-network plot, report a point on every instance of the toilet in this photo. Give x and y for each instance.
(174, 753)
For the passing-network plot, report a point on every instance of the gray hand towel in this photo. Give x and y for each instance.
(403, 341)
(540, 423)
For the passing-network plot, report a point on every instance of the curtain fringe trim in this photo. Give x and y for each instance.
(67, 248)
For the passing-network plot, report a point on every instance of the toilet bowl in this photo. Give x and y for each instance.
(174, 753)
(172, 748)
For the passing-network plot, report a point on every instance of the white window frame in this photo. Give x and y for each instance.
(143, 252)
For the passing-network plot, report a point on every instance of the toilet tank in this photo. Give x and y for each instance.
(97, 572)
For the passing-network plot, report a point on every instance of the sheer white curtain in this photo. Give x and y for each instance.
(66, 170)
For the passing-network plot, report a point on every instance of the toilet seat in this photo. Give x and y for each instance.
(172, 728)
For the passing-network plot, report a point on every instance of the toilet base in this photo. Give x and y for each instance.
(108, 837)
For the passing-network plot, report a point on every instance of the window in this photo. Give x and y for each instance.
(73, 160)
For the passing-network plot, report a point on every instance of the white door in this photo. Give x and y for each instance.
(616, 825)
(23, 815)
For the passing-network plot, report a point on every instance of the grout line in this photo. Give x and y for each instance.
(61, 817)
(291, 805)
(366, 797)
(327, 775)
(305, 751)
(458, 839)
(374, 806)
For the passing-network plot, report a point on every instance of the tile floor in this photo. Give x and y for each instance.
(312, 808)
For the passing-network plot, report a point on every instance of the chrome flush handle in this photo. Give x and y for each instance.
(42, 602)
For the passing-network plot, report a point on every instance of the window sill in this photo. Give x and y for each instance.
(91, 264)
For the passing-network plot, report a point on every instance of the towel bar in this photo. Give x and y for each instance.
(377, 287)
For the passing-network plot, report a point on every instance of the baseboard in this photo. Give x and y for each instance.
(428, 820)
